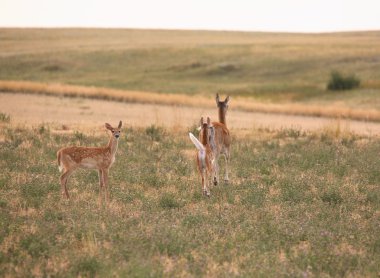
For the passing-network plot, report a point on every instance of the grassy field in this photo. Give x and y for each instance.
(298, 205)
(268, 67)
(337, 111)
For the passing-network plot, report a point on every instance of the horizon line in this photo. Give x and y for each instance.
(192, 29)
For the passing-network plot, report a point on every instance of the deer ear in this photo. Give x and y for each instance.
(227, 99)
(108, 126)
(208, 121)
(217, 99)
(120, 124)
(202, 121)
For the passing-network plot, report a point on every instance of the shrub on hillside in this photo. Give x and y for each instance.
(339, 82)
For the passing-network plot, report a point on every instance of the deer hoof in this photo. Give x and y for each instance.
(65, 196)
(215, 181)
(206, 193)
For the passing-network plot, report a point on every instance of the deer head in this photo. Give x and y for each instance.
(222, 104)
(115, 131)
(222, 108)
(207, 131)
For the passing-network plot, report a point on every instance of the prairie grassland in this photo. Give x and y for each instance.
(73, 113)
(299, 204)
(268, 67)
(198, 101)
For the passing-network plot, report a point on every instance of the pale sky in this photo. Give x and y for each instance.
(245, 15)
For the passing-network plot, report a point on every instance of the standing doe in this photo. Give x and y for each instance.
(99, 158)
(205, 154)
(222, 138)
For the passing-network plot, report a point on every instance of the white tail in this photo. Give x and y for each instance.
(196, 142)
(99, 158)
(60, 168)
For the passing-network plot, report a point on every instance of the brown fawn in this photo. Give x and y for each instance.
(205, 155)
(222, 138)
(99, 158)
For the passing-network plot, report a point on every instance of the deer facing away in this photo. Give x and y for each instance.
(222, 138)
(99, 158)
(205, 155)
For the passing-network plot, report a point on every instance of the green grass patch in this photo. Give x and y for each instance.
(168, 201)
(297, 204)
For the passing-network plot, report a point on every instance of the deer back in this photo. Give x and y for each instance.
(86, 157)
(222, 136)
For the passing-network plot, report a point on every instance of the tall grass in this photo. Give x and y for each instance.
(298, 205)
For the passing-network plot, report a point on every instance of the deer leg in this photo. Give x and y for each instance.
(105, 179)
(101, 185)
(64, 178)
(204, 183)
(227, 159)
(216, 172)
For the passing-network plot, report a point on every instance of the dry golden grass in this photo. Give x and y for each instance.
(244, 104)
(333, 111)
(83, 39)
(95, 93)
(371, 84)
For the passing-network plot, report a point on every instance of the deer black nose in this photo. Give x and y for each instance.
(117, 135)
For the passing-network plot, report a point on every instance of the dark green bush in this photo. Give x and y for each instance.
(339, 82)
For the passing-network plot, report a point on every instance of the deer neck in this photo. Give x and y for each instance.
(204, 138)
(112, 145)
(222, 116)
